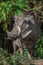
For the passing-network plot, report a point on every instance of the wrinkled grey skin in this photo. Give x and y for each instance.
(24, 29)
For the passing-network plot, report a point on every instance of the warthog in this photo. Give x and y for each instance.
(25, 32)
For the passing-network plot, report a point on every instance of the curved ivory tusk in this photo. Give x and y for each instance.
(19, 30)
(23, 36)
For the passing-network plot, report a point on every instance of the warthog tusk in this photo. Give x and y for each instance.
(19, 30)
(27, 34)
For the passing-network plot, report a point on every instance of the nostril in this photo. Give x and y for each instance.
(14, 33)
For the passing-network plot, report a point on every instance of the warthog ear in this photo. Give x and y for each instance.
(15, 17)
(30, 18)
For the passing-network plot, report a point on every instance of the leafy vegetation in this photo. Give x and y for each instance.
(39, 48)
(17, 59)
